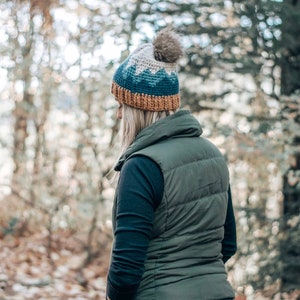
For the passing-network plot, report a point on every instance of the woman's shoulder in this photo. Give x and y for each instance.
(142, 163)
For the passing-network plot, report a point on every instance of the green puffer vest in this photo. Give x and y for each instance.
(184, 254)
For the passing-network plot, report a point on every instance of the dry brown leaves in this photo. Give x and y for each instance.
(29, 270)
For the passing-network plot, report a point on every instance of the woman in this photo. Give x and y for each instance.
(173, 220)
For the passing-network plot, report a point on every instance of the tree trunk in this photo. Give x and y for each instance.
(23, 108)
(290, 56)
(290, 83)
(290, 247)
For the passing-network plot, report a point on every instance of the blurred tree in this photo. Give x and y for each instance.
(23, 49)
(290, 47)
(290, 249)
(24, 39)
(290, 85)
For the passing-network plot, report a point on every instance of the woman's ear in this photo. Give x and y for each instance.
(119, 112)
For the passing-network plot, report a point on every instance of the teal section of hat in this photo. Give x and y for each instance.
(140, 73)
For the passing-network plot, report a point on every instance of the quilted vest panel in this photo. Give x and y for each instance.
(184, 254)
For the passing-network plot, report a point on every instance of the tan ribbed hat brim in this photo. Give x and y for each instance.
(143, 101)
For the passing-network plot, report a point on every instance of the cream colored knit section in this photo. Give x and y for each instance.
(143, 59)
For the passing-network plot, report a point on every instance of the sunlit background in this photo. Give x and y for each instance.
(240, 77)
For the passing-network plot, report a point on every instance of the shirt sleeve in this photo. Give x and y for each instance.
(140, 191)
(229, 245)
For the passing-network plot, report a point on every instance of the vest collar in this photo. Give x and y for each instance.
(180, 124)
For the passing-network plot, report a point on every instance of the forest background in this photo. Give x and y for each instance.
(240, 77)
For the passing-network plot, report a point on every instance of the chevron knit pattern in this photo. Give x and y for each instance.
(143, 82)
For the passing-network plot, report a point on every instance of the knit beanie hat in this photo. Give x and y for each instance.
(148, 78)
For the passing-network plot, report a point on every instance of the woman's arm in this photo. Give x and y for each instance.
(229, 246)
(140, 191)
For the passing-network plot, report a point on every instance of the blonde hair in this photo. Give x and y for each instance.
(134, 120)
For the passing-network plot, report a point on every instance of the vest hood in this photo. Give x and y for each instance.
(180, 124)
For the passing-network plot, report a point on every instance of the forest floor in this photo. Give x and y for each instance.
(29, 271)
